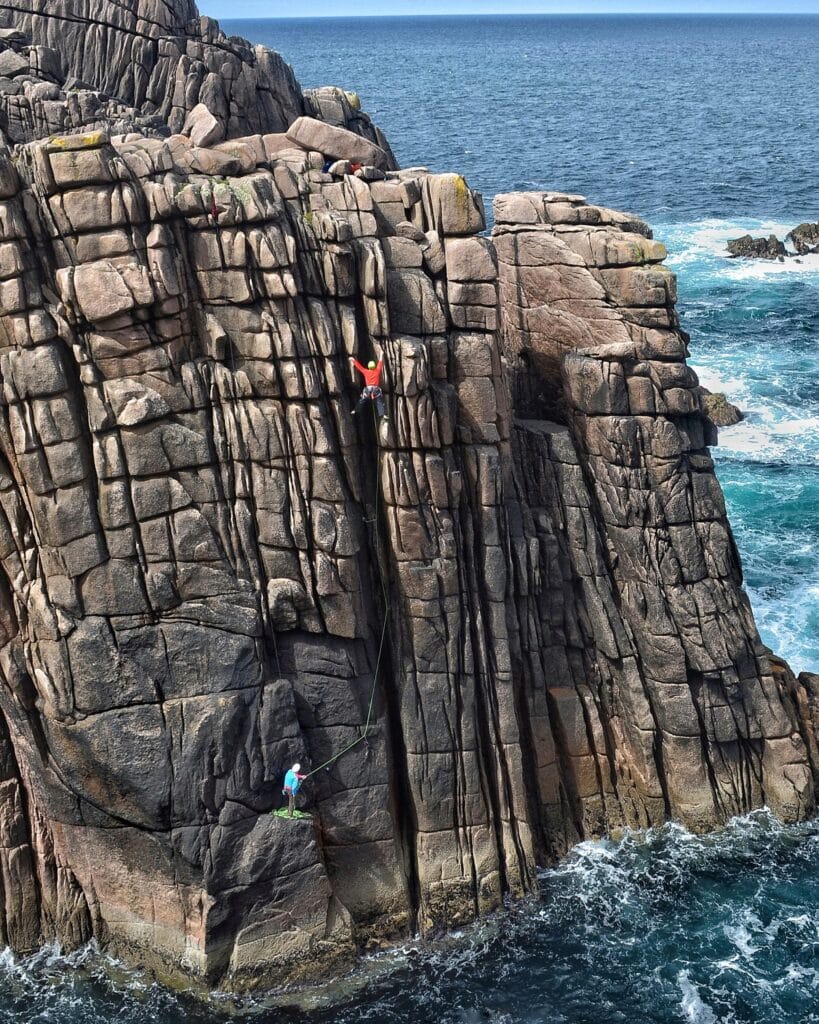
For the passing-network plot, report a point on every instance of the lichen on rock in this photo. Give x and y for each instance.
(719, 410)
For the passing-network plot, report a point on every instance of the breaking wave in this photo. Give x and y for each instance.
(661, 926)
(87, 987)
(703, 245)
(753, 328)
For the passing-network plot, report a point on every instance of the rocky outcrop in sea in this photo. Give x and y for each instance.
(804, 241)
(508, 619)
(748, 247)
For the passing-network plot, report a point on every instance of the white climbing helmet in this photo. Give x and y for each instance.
(296, 767)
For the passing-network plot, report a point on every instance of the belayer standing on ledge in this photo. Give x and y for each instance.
(372, 386)
(292, 781)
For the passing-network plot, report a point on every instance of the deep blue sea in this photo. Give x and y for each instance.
(707, 127)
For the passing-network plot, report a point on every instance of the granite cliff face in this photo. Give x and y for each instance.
(209, 567)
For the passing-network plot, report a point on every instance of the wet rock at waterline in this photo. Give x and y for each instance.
(202, 550)
(804, 239)
(748, 247)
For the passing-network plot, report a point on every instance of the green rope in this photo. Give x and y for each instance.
(365, 734)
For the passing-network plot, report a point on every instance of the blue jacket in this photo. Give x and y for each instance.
(292, 781)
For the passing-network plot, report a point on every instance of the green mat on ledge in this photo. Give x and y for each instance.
(282, 813)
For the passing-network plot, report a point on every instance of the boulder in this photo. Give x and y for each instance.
(804, 238)
(336, 143)
(719, 410)
(202, 128)
(750, 248)
(452, 208)
(12, 64)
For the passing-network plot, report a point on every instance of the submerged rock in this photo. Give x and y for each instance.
(748, 247)
(510, 619)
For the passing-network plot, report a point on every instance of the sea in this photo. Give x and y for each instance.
(707, 127)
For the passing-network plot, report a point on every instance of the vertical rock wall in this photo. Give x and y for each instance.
(682, 712)
(208, 563)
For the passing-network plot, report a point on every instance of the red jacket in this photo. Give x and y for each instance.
(372, 378)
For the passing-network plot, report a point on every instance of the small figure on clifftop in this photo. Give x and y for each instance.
(292, 782)
(372, 386)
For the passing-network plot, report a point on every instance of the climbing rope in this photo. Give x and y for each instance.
(371, 705)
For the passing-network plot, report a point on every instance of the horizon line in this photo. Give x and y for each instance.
(526, 14)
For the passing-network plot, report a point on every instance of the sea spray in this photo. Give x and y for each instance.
(753, 327)
(659, 926)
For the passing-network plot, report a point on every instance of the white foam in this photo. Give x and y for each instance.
(787, 625)
(742, 938)
(706, 241)
(801, 975)
(759, 270)
(736, 389)
(692, 1005)
(772, 435)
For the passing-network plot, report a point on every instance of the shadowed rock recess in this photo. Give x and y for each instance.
(200, 546)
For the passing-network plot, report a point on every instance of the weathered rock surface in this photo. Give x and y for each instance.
(748, 247)
(208, 569)
(337, 143)
(147, 65)
(159, 57)
(719, 410)
(804, 238)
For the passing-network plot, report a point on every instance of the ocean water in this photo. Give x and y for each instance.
(706, 127)
(657, 928)
(755, 335)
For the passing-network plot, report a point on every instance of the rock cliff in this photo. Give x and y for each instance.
(517, 603)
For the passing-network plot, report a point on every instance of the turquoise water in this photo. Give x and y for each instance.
(754, 329)
(707, 128)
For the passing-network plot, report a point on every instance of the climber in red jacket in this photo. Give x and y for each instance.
(372, 386)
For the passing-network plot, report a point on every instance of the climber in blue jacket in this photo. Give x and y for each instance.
(292, 781)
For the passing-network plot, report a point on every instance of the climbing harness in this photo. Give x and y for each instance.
(373, 394)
